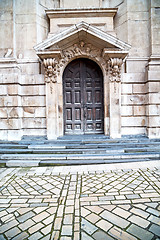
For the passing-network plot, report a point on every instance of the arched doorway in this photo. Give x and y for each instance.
(83, 98)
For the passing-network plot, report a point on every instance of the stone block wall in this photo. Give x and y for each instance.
(22, 89)
(133, 109)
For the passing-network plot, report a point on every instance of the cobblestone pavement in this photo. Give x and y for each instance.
(87, 202)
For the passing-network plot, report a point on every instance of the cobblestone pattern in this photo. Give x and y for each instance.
(38, 203)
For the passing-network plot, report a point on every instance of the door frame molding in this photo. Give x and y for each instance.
(111, 69)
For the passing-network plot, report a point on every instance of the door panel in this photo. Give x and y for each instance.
(83, 98)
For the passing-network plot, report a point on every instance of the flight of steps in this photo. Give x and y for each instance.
(78, 150)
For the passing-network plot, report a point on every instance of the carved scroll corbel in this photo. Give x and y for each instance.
(115, 69)
(50, 70)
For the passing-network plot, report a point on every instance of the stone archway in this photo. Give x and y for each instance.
(83, 106)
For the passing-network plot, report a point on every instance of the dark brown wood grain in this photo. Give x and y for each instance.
(83, 98)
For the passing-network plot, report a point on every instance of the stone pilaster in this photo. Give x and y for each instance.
(115, 97)
(51, 97)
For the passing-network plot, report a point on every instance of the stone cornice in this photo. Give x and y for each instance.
(81, 12)
(79, 29)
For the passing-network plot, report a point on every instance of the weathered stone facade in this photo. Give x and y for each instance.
(40, 38)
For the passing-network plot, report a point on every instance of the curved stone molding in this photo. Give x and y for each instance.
(50, 65)
(83, 49)
(115, 69)
(53, 66)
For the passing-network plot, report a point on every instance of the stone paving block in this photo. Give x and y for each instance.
(114, 219)
(156, 199)
(121, 212)
(65, 238)
(149, 195)
(139, 212)
(40, 216)
(152, 205)
(120, 197)
(60, 210)
(21, 236)
(55, 235)
(119, 234)
(99, 203)
(19, 201)
(132, 196)
(77, 227)
(68, 218)
(88, 227)
(121, 201)
(35, 228)
(36, 236)
(2, 237)
(154, 219)
(25, 225)
(26, 216)
(39, 209)
(139, 221)
(155, 229)
(3, 213)
(23, 210)
(67, 230)
(140, 232)
(100, 235)
(12, 233)
(85, 236)
(93, 218)
(84, 212)
(108, 207)
(76, 236)
(141, 206)
(104, 225)
(57, 223)
(141, 200)
(46, 237)
(8, 226)
(46, 230)
(51, 210)
(106, 198)
(48, 220)
(70, 202)
(153, 211)
(7, 218)
(4, 200)
(95, 209)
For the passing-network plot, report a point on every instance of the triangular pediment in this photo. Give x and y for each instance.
(81, 32)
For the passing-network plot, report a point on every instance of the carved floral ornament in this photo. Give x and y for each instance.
(53, 66)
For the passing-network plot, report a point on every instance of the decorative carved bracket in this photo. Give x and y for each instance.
(115, 69)
(50, 70)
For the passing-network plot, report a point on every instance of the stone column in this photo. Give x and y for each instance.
(115, 97)
(153, 73)
(51, 98)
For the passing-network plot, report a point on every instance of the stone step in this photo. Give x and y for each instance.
(59, 162)
(53, 150)
(91, 145)
(60, 151)
(15, 146)
(89, 161)
(79, 156)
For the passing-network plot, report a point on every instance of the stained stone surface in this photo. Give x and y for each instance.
(70, 203)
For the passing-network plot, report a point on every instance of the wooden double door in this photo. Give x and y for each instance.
(83, 98)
